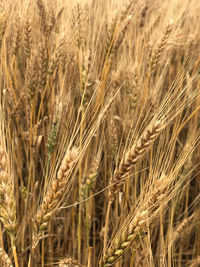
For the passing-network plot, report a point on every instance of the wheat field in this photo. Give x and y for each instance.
(100, 133)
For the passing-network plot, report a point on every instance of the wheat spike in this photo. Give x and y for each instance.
(160, 47)
(5, 260)
(179, 230)
(69, 262)
(133, 156)
(134, 230)
(54, 195)
(7, 201)
(27, 39)
(195, 262)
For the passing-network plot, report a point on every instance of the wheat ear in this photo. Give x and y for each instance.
(179, 230)
(54, 195)
(195, 262)
(69, 262)
(133, 156)
(5, 259)
(7, 200)
(160, 47)
(27, 39)
(134, 228)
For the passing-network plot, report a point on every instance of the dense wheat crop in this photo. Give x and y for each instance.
(99, 133)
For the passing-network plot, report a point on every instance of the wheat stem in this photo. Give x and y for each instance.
(106, 226)
(15, 255)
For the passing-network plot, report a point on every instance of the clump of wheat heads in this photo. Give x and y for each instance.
(78, 62)
(157, 195)
(128, 162)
